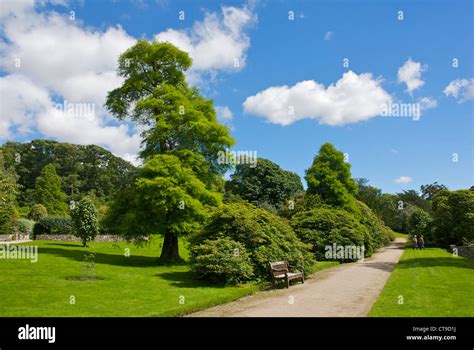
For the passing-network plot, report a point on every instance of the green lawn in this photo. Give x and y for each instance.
(399, 235)
(132, 286)
(432, 282)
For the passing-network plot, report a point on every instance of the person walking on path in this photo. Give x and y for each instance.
(415, 242)
(421, 242)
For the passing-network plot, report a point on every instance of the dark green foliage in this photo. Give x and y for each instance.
(38, 212)
(325, 226)
(453, 220)
(428, 192)
(266, 237)
(330, 177)
(166, 198)
(395, 209)
(419, 223)
(181, 146)
(222, 260)
(155, 93)
(48, 191)
(145, 66)
(378, 233)
(322, 227)
(264, 184)
(8, 193)
(54, 225)
(81, 168)
(84, 218)
(302, 202)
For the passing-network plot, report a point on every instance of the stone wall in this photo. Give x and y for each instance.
(464, 251)
(71, 238)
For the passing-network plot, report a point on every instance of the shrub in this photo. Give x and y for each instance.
(222, 260)
(378, 233)
(25, 226)
(264, 236)
(419, 223)
(453, 218)
(324, 227)
(38, 212)
(84, 218)
(53, 225)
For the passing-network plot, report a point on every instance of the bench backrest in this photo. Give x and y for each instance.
(279, 265)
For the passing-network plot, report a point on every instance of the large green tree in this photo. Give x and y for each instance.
(8, 192)
(166, 198)
(264, 183)
(330, 177)
(48, 191)
(453, 221)
(180, 127)
(156, 95)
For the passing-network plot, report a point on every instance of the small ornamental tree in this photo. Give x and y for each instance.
(84, 217)
(38, 212)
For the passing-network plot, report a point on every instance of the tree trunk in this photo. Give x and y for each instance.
(170, 247)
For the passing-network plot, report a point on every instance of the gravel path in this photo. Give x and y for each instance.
(347, 290)
(16, 242)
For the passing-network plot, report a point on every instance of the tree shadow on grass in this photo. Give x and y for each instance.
(104, 258)
(185, 279)
(434, 262)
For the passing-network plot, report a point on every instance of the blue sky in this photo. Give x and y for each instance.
(275, 56)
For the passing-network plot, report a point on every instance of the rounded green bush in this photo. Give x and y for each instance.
(38, 212)
(265, 236)
(53, 225)
(323, 227)
(222, 260)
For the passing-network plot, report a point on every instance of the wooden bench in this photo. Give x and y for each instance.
(280, 271)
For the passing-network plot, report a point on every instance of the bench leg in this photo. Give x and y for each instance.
(287, 283)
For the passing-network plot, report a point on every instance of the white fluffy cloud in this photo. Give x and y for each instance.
(410, 74)
(219, 42)
(461, 89)
(353, 98)
(427, 103)
(60, 59)
(224, 113)
(402, 180)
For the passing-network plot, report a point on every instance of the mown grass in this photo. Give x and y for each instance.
(131, 286)
(428, 283)
(137, 285)
(399, 235)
